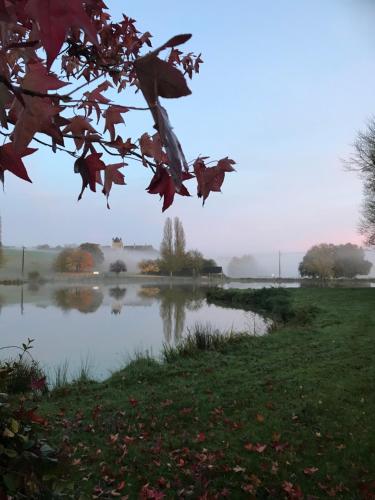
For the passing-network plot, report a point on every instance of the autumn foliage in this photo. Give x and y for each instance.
(74, 260)
(75, 113)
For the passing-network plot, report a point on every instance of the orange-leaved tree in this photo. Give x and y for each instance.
(73, 112)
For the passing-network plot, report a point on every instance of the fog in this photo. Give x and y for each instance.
(130, 257)
(266, 265)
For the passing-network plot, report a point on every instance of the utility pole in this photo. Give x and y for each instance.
(23, 260)
(279, 265)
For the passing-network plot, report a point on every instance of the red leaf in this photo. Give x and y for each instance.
(211, 178)
(78, 126)
(89, 169)
(123, 147)
(38, 384)
(310, 470)
(133, 402)
(12, 161)
(201, 437)
(35, 418)
(162, 184)
(112, 176)
(112, 117)
(39, 79)
(54, 19)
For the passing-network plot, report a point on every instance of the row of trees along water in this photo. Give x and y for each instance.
(174, 258)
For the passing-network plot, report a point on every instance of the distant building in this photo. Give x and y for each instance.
(140, 248)
(117, 243)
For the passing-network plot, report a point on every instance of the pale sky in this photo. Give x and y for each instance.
(283, 90)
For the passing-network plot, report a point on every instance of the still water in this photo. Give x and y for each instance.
(104, 326)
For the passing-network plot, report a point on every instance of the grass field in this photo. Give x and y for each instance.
(287, 415)
(35, 260)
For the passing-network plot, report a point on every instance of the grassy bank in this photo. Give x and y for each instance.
(287, 415)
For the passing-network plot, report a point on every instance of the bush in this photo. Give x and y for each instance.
(28, 465)
(118, 267)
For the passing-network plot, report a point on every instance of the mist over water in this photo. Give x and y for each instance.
(131, 257)
(266, 265)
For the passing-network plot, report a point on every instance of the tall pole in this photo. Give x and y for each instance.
(23, 260)
(279, 265)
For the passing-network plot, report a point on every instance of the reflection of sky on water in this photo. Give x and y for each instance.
(106, 325)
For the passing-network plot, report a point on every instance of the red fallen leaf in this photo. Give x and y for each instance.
(133, 402)
(12, 161)
(35, 418)
(148, 493)
(201, 437)
(54, 20)
(112, 176)
(310, 470)
(121, 486)
(167, 402)
(294, 492)
(113, 117)
(259, 448)
(186, 411)
(89, 168)
(260, 418)
(249, 446)
(38, 384)
(279, 446)
(163, 184)
(113, 438)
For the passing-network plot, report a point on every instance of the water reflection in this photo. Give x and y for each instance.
(155, 314)
(174, 301)
(83, 299)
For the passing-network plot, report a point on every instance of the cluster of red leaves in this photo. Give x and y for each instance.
(88, 46)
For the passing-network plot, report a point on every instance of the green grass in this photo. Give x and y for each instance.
(35, 260)
(199, 424)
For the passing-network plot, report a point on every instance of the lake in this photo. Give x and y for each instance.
(105, 325)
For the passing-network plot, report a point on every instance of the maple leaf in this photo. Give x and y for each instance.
(211, 178)
(11, 160)
(36, 116)
(112, 117)
(39, 79)
(123, 147)
(78, 126)
(54, 19)
(94, 98)
(112, 176)
(201, 437)
(162, 184)
(152, 147)
(89, 168)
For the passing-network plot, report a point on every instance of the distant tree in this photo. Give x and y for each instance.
(44, 246)
(334, 261)
(95, 250)
(166, 247)
(195, 261)
(242, 267)
(149, 266)
(350, 261)
(179, 243)
(363, 161)
(74, 261)
(118, 266)
(318, 262)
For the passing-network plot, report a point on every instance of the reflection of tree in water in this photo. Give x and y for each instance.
(118, 294)
(174, 302)
(2, 258)
(1, 302)
(83, 299)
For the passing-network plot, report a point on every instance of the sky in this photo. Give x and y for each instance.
(284, 89)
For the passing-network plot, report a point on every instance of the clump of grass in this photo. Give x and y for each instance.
(200, 338)
(60, 376)
(20, 374)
